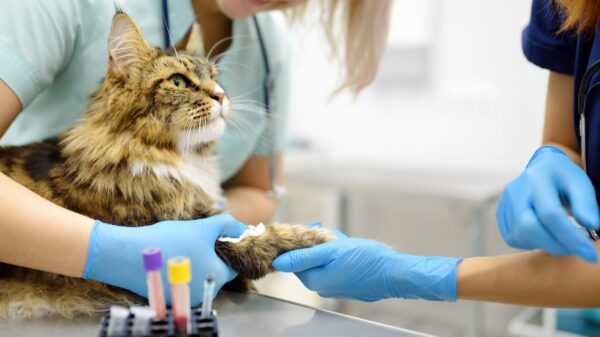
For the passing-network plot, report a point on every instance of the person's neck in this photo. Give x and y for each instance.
(216, 27)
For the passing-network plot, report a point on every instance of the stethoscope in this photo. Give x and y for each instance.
(277, 191)
(582, 95)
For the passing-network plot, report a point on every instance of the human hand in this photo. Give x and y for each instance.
(115, 252)
(532, 215)
(368, 271)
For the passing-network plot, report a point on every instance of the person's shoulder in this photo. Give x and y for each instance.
(543, 42)
(71, 5)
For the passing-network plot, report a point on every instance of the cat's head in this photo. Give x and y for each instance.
(163, 97)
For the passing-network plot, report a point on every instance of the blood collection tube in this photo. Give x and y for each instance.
(209, 290)
(180, 275)
(153, 264)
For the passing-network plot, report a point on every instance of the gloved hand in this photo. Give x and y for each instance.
(366, 270)
(532, 215)
(115, 252)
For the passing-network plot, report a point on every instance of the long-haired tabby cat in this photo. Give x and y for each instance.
(142, 153)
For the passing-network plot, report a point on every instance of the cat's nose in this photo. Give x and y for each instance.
(218, 94)
(218, 97)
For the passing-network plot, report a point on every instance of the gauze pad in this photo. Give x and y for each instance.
(252, 231)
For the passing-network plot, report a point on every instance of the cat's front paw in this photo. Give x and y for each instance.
(252, 256)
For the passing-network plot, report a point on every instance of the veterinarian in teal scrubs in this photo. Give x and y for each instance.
(54, 53)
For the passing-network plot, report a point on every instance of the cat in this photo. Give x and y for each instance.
(142, 153)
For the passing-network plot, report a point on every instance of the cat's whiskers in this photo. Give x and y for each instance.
(239, 109)
(247, 101)
(242, 125)
(187, 130)
(229, 38)
(251, 106)
(246, 93)
(219, 65)
(190, 122)
(218, 57)
(261, 110)
(239, 128)
(188, 135)
(171, 39)
(218, 43)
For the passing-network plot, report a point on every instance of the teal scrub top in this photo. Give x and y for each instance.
(53, 54)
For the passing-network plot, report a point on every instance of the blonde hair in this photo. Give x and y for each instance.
(579, 15)
(357, 32)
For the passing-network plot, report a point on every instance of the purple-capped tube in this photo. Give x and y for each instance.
(153, 264)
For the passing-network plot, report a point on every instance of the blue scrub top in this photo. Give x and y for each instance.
(572, 54)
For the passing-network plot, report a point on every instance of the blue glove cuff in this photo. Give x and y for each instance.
(545, 149)
(451, 282)
(431, 278)
(91, 257)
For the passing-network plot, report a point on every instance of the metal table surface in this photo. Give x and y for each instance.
(240, 315)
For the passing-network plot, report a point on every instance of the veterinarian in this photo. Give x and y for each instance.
(562, 38)
(52, 56)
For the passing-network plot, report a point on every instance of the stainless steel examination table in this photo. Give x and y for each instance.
(240, 315)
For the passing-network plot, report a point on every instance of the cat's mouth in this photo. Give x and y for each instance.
(203, 134)
(221, 110)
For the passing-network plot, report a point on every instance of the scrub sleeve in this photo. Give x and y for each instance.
(567, 53)
(36, 41)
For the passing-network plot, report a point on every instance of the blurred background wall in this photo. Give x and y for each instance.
(454, 91)
(418, 159)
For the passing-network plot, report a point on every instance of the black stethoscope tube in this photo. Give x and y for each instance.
(166, 24)
(276, 191)
(582, 95)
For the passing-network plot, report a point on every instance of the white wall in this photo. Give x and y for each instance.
(481, 109)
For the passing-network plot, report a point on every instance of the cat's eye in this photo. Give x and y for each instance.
(179, 81)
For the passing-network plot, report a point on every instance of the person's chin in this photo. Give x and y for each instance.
(239, 9)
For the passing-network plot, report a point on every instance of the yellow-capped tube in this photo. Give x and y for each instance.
(179, 272)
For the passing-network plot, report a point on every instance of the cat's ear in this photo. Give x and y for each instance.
(192, 41)
(126, 44)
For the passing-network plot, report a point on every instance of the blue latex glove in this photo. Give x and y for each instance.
(368, 271)
(532, 215)
(115, 252)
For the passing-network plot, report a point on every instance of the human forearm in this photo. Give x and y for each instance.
(39, 234)
(558, 122)
(250, 205)
(246, 192)
(530, 278)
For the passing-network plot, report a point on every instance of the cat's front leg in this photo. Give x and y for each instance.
(252, 257)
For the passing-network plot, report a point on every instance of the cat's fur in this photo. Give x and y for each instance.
(142, 153)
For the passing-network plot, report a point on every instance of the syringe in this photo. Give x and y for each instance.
(153, 264)
(180, 275)
(209, 290)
